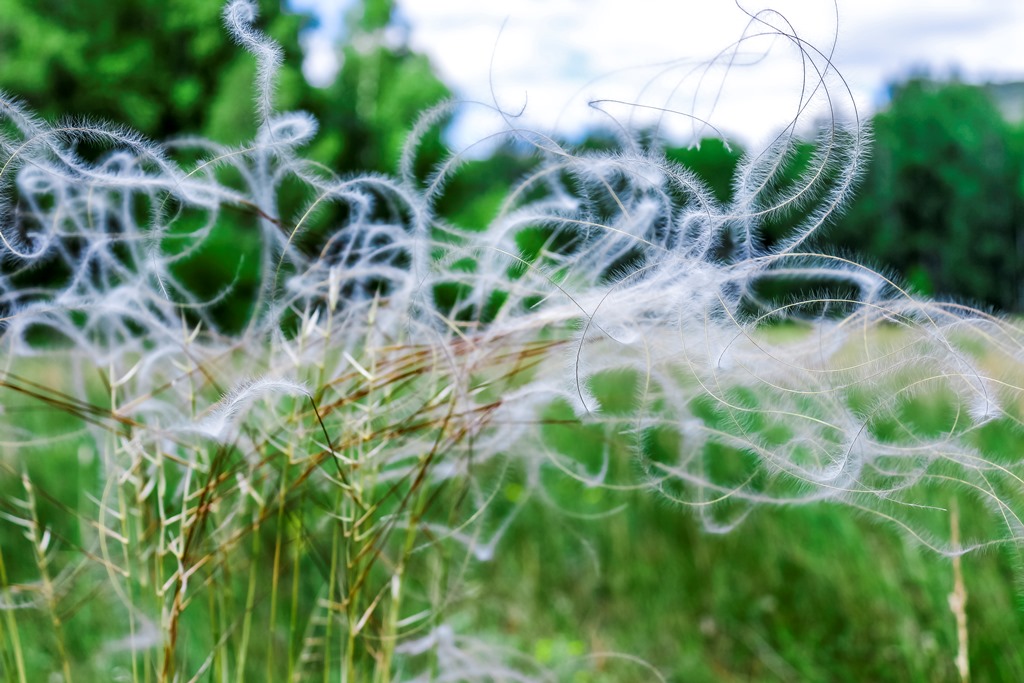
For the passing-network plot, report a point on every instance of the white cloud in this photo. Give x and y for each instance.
(556, 56)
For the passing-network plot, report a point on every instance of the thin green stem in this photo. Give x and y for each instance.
(12, 626)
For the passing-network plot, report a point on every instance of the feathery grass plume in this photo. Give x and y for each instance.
(326, 504)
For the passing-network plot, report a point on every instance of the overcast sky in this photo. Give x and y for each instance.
(555, 57)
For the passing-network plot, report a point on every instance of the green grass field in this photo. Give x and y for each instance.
(589, 584)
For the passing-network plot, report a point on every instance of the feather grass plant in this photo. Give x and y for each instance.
(325, 476)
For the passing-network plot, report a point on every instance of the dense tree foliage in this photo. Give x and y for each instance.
(168, 68)
(942, 200)
(162, 67)
(941, 206)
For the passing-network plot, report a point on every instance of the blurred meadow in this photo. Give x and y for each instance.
(565, 578)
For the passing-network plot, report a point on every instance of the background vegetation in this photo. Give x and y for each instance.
(793, 594)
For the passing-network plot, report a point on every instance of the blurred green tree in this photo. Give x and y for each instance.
(168, 67)
(942, 201)
(163, 67)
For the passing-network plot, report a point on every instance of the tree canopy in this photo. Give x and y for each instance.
(941, 202)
